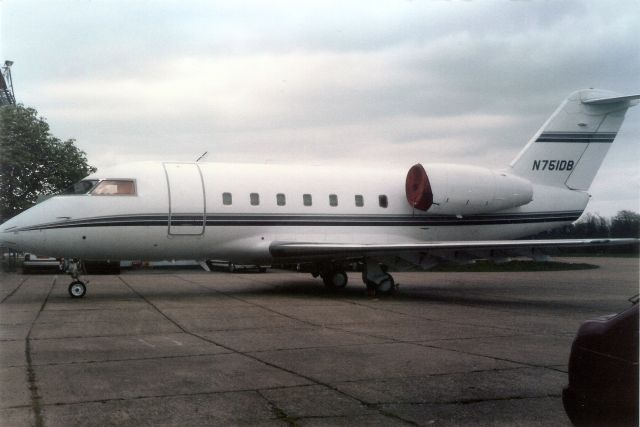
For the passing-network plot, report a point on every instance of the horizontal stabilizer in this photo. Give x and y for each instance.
(610, 100)
(301, 250)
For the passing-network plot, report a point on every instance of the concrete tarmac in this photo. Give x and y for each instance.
(197, 348)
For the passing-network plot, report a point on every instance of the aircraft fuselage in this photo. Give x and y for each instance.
(235, 211)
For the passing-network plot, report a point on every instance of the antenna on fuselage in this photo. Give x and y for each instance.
(202, 156)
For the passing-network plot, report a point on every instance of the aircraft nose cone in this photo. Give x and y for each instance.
(8, 237)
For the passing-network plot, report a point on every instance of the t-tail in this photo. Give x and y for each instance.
(569, 148)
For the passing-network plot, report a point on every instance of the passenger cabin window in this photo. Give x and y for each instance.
(255, 199)
(281, 200)
(333, 200)
(227, 198)
(115, 187)
(306, 199)
(359, 200)
(82, 187)
(382, 200)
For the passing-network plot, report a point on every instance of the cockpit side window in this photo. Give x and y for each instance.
(115, 187)
(82, 187)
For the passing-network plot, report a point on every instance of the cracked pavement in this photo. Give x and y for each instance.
(196, 348)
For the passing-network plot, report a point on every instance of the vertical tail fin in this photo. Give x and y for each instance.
(571, 145)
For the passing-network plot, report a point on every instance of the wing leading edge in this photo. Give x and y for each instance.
(321, 250)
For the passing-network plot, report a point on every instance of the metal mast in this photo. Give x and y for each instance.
(6, 85)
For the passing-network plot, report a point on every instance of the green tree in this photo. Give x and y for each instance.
(32, 161)
(591, 226)
(625, 224)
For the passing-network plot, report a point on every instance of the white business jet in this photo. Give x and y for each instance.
(325, 218)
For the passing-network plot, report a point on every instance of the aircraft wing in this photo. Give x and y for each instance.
(348, 250)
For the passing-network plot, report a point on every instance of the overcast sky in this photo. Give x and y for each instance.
(381, 83)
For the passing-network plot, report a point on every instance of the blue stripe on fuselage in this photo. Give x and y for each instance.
(308, 220)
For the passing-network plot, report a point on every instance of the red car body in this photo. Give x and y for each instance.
(603, 371)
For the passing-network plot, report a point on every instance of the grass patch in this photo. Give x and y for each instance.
(488, 266)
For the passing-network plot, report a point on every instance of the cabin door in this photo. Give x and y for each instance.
(187, 215)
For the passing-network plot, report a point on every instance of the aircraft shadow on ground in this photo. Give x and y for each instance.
(453, 294)
(480, 296)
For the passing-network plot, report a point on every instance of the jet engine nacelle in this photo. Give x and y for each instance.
(462, 190)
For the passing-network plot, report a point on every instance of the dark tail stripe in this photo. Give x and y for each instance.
(162, 220)
(579, 137)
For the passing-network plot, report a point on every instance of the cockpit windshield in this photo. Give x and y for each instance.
(115, 187)
(82, 187)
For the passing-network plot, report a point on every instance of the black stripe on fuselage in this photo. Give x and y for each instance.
(264, 220)
(577, 137)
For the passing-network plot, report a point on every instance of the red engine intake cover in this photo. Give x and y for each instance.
(418, 188)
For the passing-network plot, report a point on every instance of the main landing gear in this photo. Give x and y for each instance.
(375, 276)
(335, 279)
(333, 275)
(77, 288)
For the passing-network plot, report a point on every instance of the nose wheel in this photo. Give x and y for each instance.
(77, 289)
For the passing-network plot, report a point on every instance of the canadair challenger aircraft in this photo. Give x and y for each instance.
(324, 218)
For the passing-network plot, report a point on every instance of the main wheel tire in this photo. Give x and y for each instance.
(77, 289)
(335, 279)
(339, 279)
(386, 286)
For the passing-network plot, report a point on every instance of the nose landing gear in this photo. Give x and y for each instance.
(77, 288)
